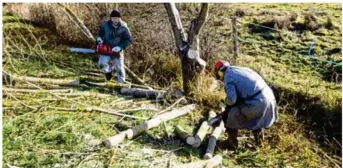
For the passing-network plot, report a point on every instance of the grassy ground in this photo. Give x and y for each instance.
(36, 136)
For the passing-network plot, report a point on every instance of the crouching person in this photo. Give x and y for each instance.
(250, 102)
(115, 35)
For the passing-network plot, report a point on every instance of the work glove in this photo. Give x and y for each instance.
(99, 40)
(116, 49)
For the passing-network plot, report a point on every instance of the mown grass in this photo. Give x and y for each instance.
(48, 138)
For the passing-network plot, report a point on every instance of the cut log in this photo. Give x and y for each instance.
(200, 135)
(37, 91)
(115, 140)
(211, 163)
(154, 122)
(135, 77)
(74, 94)
(95, 94)
(67, 82)
(182, 100)
(48, 87)
(183, 134)
(143, 93)
(116, 85)
(213, 140)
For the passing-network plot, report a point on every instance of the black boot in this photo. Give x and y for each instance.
(258, 136)
(108, 76)
(232, 142)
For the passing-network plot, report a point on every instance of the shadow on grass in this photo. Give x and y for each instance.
(322, 123)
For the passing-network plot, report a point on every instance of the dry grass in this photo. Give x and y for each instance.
(209, 92)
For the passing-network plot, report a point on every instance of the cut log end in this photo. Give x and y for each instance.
(190, 140)
(197, 141)
(108, 143)
(211, 114)
(115, 140)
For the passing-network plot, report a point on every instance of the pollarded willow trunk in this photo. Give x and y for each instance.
(188, 47)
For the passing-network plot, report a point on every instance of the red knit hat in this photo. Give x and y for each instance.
(219, 65)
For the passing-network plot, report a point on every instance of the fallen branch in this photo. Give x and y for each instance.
(61, 108)
(93, 108)
(135, 77)
(116, 85)
(74, 94)
(213, 140)
(89, 108)
(24, 104)
(48, 87)
(214, 162)
(67, 82)
(154, 122)
(77, 21)
(200, 135)
(37, 91)
(84, 94)
(143, 93)
(250, 137)
(137, 109)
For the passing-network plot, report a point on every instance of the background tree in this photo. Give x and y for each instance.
(188, 47)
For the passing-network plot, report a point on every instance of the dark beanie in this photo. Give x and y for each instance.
(115, 13)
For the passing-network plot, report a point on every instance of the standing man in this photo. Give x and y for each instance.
(250, 102)
(115, 34)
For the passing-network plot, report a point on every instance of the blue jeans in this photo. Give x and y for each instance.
(107, 67)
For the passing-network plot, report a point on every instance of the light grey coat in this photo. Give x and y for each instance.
(254, 113)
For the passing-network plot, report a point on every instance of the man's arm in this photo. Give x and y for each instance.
(231, 93)
(101, 33)
(127, 39)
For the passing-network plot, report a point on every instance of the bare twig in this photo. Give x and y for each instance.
(170, 107)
